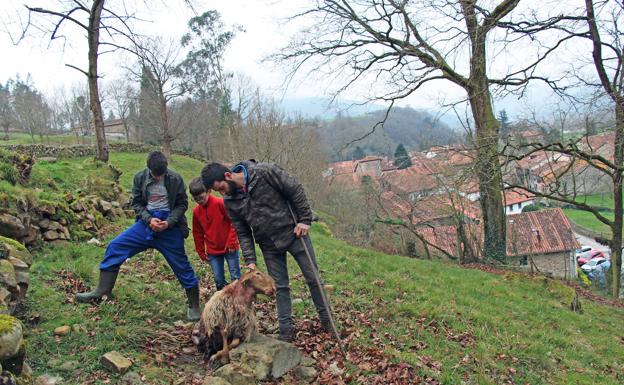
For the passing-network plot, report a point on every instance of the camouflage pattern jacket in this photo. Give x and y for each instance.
(261, 212)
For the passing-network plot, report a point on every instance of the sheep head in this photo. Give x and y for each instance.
(259, 281)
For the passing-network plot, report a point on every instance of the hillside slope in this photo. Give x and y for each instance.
(445, 324)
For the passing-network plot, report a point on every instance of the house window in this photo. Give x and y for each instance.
(524, 261)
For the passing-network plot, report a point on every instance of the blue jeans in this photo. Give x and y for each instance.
(170, 243)
(217, 264)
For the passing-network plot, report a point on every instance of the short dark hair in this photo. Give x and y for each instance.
(196, 187)
(157, 163)
(213, 172)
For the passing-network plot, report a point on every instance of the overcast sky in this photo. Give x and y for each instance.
(265, 32)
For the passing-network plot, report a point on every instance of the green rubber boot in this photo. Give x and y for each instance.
(192, 294)
(104, 287)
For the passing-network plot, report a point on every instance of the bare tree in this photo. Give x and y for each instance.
(32, 113)
(6, 108)
(158, 61)
(405, 45)
(602, 28)
(122, 96)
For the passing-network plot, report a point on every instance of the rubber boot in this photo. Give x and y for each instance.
(104, 287)
(192, 294)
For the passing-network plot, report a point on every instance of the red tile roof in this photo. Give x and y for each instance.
(539, 232)
(513, 196)
(410, 180)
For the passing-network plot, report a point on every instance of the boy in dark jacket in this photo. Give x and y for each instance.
(214, 235)
(159, 200)
(257, 196)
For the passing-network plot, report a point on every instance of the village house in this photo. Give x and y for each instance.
(113, 128)
(542, 240)
(515, 200)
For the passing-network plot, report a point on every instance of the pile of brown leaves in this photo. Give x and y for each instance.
(70, 284)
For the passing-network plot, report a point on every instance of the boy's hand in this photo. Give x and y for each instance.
(203, 257)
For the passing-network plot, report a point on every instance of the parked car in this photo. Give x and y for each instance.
(595, 264)
(582, 250)
(588, 256)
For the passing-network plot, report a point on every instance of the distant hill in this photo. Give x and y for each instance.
(324, 108)
(415, 129)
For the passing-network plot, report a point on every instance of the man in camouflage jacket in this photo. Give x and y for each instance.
(257, 197)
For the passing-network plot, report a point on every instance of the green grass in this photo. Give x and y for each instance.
(588, 220)
(522, 329)
(64, 139)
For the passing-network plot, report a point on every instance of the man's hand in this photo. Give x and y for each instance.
(301, 230)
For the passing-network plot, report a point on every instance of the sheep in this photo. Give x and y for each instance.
(229, 316)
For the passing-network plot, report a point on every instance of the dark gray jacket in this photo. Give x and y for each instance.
(176, 194)
(261, 212)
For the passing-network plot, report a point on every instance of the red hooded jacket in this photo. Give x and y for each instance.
(213, 232)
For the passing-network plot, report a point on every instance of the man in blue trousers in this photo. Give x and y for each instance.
(159, 200)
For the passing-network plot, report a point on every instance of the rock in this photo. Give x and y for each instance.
(215, 381)
(115, 362)
(94, 241)
(47, 159)
(18, 264)
(116, 204)
(77, 207)
(12, 227)
(236, 374)
(307, 361)
(70, 366)
(22, 278)
(15, 363)
(69, 197)
(54, 226)
(44, 224)
(7, 378)
(131, 378)
(48, 210)
(78, 328)
(7, 274)
(118, 213)
(130, 213)
(305, 374)
(329, 289)
(5, 296)
(11, 336)
(105, 207)
(62, 330)
(50, 235)
(297, 301)
(63, 221)
(267, 356)
(23, 254)
(27, 370)
(46, 379)
(34, 234)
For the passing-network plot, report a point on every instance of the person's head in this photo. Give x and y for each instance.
(198, 191)
(217, 177)
(157, 164)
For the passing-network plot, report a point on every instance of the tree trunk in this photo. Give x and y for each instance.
(167, 138)
(101, 152)
(487, 164)
(616, 240)
(6, 132)
(127, 130)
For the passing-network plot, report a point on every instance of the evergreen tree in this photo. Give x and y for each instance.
(401, 157)
(358, 153)
(504, 123)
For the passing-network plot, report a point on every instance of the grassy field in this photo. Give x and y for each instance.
(453, 325)
(588, 220)
(65, 139)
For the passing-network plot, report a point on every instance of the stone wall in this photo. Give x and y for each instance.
(15, 261)
(42, 150)
(555, 263)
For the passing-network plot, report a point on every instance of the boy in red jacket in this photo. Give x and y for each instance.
(213, 233)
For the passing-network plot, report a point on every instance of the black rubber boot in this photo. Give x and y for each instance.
(104, 287)
(192, 295)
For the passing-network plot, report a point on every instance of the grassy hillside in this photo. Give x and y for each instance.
(450, 325)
